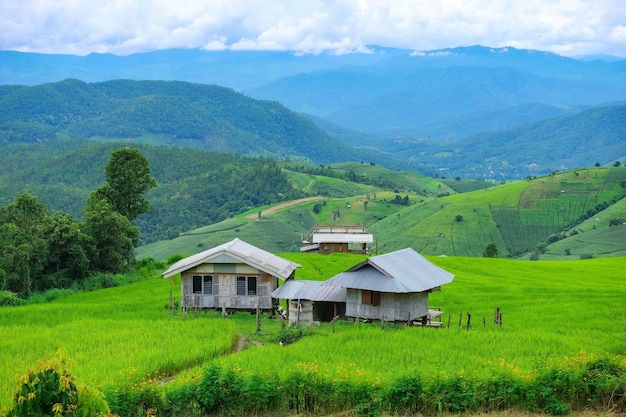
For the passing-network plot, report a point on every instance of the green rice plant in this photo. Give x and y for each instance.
(116, 337)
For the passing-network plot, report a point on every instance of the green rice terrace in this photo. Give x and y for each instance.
(562, 216)
(561, 346)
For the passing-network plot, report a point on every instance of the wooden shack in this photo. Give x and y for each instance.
(235, 276)
(389, 287)
(330, 239)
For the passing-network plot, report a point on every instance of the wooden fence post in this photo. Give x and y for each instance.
(258, 315)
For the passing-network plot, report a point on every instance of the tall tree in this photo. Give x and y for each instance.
(128, 179)
(112, 235)
(68, 246)
(23, 245)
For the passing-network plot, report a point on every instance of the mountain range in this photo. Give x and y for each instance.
(468, 111)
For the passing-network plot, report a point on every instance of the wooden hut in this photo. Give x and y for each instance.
(329, 239)
(235, 276)
(389, 287)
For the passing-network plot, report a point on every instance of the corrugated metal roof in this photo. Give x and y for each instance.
(342, 238)
(309, 290)
(240, 251)
(403, 271)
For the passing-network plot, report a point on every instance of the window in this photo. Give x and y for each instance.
(207, 284)
(370, 297)
(246, 285)
(203, 284)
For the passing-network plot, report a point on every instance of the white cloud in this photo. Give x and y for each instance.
(571, 27)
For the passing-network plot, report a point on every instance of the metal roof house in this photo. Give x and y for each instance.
(235, 276)
(329, 239)
(389, 287)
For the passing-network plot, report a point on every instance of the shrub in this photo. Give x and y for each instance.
(405, 395)
(51, 391)
(7, 298)
(453, 394)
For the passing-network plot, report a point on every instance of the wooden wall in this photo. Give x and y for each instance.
(393, 307)
(225, 288)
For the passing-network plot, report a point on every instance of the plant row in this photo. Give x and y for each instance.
(600, 384)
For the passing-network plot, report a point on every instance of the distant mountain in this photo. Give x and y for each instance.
(234, 69)
(573, 140)
(408, 92)
(389, 92)
(174, 113)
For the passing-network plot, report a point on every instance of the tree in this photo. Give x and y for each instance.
(23, 246)
(491, 251)
(113, 237)
(458, 218)
(67, 246)
(128, 179)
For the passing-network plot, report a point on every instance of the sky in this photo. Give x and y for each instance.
(123, 27)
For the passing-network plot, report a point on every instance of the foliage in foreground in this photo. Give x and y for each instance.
(51, 391)
(598, 384)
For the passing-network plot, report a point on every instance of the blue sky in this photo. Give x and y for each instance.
(566, 27)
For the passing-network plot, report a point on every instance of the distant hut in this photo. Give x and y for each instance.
(235, 276)
(329, 239)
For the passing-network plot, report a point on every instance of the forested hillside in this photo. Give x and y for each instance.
(174, 113)
(195, 187)
(569, 141)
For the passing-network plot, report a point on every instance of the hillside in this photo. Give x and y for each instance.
(195, 187)
(282, 230)
(576, 139)
(174, 113)
(518, 217)
(209, 117)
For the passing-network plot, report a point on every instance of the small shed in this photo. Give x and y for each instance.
(391, 287)
(330, 239)
(235, 276)
(311, 301)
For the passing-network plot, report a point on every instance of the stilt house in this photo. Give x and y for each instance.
(235, 276)
(389, 287)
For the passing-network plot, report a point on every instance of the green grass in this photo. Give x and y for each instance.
(113, 336)
(554, 312)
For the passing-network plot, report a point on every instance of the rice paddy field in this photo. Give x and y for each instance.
(558, 315)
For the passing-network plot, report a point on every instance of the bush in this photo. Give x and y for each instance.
(288, 335)
(7, 298)
(405, 395)
(50, 392)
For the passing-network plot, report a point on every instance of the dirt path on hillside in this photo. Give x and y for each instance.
(283, 206)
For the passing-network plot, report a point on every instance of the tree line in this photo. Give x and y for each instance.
(196, 187)
(40, 250)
